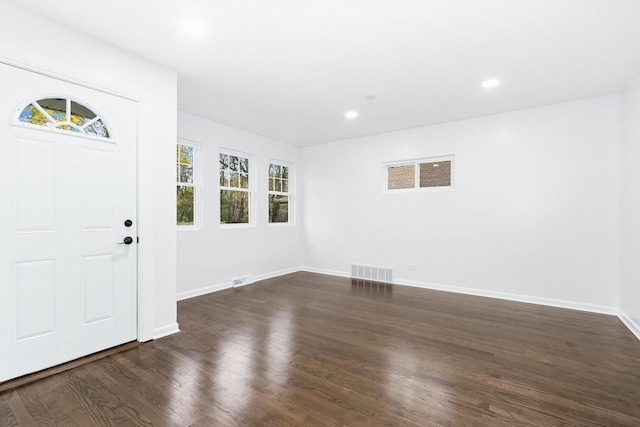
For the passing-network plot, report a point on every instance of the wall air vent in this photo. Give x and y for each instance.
(242, 281)
(372, 273)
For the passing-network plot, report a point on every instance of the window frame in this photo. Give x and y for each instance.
(416, 179)
(290, 193)
(250, 190)
(53, 125)
(196, 185)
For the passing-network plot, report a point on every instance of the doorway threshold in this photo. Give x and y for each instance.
(45, 373)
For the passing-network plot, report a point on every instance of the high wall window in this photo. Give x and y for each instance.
(235, 189)
(280, 202)
(422, 174)
(186, 184)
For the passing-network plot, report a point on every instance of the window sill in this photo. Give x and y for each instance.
(419, 190)
(232, 226)
(281, 224)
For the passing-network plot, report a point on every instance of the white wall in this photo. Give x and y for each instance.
(27, 39)
(630, 208)
(210, 256)
(534, 215)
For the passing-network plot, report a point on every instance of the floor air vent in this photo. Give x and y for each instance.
(369, 272)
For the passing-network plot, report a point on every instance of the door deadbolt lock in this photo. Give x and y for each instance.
(128, 223)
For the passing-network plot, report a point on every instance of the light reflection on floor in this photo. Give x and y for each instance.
(236, 368)
(279, 347)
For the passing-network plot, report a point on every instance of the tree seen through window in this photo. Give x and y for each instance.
(234, 189)
(185, 195)
(278, 193)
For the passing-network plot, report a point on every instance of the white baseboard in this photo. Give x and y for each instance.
(203, 291)
(276, 274)
(592, 308)
(323, 271)
(165, 331)
(222, 286)
(629, 323)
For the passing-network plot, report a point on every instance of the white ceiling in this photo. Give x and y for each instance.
(290, 69)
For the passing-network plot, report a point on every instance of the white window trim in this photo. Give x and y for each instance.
(251, 190)
(197, 185)
(291, 193)
(416, 180)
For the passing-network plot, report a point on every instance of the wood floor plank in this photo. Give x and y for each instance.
(314, 350)
(14, 412)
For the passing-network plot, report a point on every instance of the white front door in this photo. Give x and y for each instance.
(67, 285)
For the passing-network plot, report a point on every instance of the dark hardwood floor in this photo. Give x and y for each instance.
(313, 350)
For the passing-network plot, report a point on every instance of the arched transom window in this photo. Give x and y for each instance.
(64, 114)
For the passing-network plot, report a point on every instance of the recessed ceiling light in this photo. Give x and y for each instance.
(351, 114)
(193, 27)
(488, 84)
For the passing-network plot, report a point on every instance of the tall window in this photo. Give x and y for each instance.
(423, 174)
(279, 195)
(235, 193)
(186, 185)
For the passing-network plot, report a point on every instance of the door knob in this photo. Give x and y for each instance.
(127, 241)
